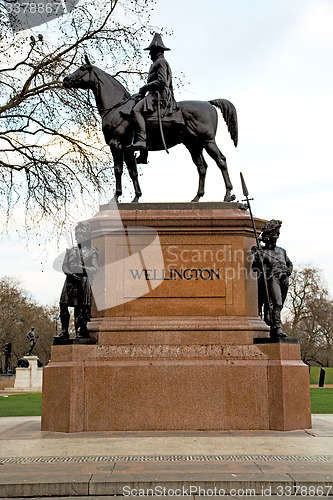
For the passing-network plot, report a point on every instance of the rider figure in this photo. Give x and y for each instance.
(158, 86)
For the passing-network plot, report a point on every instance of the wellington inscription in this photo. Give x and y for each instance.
(174, 274)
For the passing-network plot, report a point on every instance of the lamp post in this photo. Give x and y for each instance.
(8, 356)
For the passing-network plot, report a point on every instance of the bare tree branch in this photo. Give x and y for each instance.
(53, 146)
(310, 315)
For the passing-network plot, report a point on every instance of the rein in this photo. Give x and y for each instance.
(106, 110)
(116, 105)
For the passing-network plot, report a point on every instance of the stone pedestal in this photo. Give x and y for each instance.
(6, 381)
(175, 320)
(29, 379)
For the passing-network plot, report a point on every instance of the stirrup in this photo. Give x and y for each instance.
(140, 144)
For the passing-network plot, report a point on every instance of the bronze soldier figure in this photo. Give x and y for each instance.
(80, 266)
(277, 268)
(33, 339)
(159, 88)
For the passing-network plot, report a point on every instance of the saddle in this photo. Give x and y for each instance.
(171, 118)
(174, 118)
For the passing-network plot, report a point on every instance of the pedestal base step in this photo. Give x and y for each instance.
(176, 387)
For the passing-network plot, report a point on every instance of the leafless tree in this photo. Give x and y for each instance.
(310, 315)
(18, 312)
(51, 146)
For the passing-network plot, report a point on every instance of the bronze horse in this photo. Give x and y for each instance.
(196, 130)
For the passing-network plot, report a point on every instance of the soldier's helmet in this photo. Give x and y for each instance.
(157, 43)
(83, 231)
(269, 228)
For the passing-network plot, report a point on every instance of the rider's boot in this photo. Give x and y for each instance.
(140, 142)
(140, 126)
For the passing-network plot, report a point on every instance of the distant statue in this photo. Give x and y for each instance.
(80, 266)
(32, 339)
(160, 96)
(125, 120)
(277, 267)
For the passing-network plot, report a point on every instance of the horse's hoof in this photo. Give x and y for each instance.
(135, 199)
(229, 198)
(197, 198)
(116, 197)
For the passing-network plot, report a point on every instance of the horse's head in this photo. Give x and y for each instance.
(108, 92)
(81, 78)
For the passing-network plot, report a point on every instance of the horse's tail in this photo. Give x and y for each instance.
(229, 113)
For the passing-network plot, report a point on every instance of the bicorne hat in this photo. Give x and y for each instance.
(157, 42)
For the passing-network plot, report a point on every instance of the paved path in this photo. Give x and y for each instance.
(97, 465)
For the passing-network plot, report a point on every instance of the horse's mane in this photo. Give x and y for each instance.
(112, 80)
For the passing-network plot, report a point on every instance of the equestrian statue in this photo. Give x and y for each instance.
(153, 121)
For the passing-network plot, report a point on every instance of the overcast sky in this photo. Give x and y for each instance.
(273, 61)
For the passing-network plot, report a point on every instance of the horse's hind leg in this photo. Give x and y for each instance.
(133, 172)
(201, 164)
(220, 160)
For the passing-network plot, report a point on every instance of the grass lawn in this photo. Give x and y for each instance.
(21, 405)
(321, 400)
(26, 405)
(314, 375)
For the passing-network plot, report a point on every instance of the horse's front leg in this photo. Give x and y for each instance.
(118, 161)
(133, 172)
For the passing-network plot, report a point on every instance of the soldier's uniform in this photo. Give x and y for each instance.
(277, 268)
(159, 80)
(159, 86)
(77, 291)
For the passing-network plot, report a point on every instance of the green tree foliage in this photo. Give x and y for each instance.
(18, 312)
(51, 145)
(310, 315)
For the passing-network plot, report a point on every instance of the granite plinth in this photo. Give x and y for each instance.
(189, 259)
(176, 387)
(177, 330)
(174, 320)
(194, 205)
